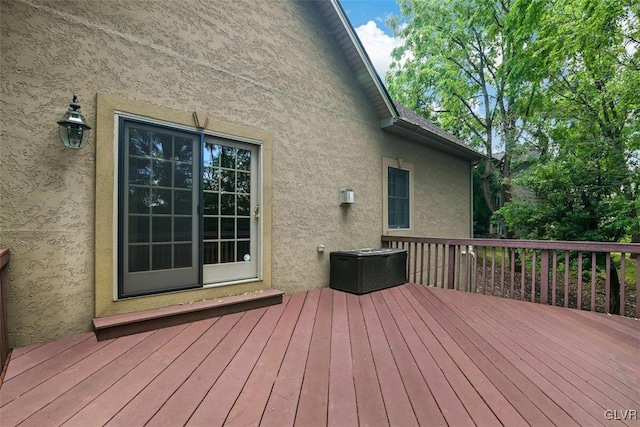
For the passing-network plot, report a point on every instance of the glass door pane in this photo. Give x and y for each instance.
(230, 201)
(159, 236)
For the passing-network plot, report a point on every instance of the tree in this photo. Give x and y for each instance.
(455, 68)
(583, 55)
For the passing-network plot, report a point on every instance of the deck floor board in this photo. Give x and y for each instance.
(422, 400)
(79, 396)
(116, 397)
(573, 346)
(532, 403)
(451, 357)
(342, 409)
(588, 372)
(283, 400)
(397, 403)
(313, 401)
(409, 355)
(253, 398)
(577, 404)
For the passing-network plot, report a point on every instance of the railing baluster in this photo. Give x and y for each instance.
(607, 282)
(502, 272)
(566, 279)
(593, 281)
(513, 271)
(579, 303)
(429, 264)
(544, 277)
(468, 273)
(554, 278)
(533, 275)
(493, 269)
(408, 260)
(435, 272)
(623, 259)
(422, 263)
(458, 266)
(415, 263)
(484, 270)
(475, 273)
(451, 267)
(522, 275)
(444, 264)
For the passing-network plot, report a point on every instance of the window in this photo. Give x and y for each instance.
(397, 196)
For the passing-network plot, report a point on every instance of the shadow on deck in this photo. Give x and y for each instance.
(403, 356)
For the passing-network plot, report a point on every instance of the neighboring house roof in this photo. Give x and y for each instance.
(394, 118)
(530, 157)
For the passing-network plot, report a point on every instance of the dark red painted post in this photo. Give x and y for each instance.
(623, 260)
(607, 282)
(544, 277)
(638, 286)
(451, 279)
(4, 337)
(593, 281)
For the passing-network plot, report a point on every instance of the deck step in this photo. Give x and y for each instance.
(132, 323)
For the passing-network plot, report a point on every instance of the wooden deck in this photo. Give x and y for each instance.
(409, 355)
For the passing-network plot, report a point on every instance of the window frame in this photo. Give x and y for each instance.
(396, 163)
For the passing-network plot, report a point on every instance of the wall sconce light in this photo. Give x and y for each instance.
(347, 196)
(74, 130)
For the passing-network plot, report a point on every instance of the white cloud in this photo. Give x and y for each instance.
(378, 46)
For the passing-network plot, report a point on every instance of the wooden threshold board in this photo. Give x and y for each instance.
(132, 323)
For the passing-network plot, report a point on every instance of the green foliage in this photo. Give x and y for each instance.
(552, 84)
(584, 56)
(455, 69)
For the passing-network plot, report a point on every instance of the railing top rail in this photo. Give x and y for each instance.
(630, 248)
(4, 257)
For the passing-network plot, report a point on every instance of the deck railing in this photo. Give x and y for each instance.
(592, 276)
(4, 338)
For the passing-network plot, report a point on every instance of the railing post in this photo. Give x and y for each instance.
(607, 283)
(451, 283)
(638, 286)
(623, 259)
(4, 333)
(579, 296)
(544, 277)
(593, 281)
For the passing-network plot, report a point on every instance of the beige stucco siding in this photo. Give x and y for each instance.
(267, 66)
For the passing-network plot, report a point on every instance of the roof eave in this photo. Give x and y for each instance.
(379, 96)
(390, 118)
(399, 126)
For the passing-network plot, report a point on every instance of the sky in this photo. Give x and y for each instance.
(368, 18)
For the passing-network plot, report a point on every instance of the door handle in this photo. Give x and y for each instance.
(256, 212)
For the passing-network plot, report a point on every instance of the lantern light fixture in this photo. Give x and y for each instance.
(74, 130)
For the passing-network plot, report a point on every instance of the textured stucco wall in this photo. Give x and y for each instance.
(269, 65)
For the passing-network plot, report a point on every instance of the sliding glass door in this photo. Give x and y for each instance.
(188, 210)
